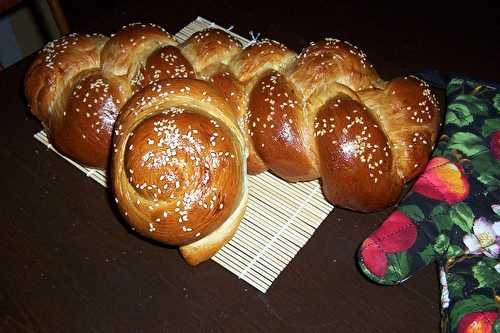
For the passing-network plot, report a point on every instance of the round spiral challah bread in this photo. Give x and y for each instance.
(324, 113)
(179, 166)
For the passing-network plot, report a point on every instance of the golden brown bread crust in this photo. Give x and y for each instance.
(286, 92)
(83, 131)
(355, 156)
(332, 60)
(210, 46)
(80, 120)
(277, 129)
(260, 57)
(140, 54)
(408, 112)
(178, 169)
(57, 62)
(175, 157)
(324, 113)
(129, 47)
(204, 248)
(235, 94)
(164, 63)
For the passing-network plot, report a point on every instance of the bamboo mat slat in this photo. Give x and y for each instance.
(280, 218)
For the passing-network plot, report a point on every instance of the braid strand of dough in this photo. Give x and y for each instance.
(193, 118)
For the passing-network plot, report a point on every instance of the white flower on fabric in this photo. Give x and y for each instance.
(497, 267)
(485, 239)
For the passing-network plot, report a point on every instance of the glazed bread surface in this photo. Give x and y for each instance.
(193, 118)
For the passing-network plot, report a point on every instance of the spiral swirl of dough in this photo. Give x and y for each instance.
(179, 169)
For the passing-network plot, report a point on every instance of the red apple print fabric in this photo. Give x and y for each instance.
(452, 215)
(443, 180)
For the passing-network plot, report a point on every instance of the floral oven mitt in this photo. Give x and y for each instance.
(452, 215)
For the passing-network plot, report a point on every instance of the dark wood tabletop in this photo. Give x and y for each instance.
(69, 264)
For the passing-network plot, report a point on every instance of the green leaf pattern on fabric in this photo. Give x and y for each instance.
(456, 284)
(496, 102)
(496, 326)
(459, 115)
(428, 254)
(455, 214)
(474, 104)
(453, 232)
(441, 244)
(462, 216)
(487, 170)
(486, 274)
(399, 266)
(454, 251)
(413, 212)
(490, 126)
(454, 85)
(441, 217)
(468, 143)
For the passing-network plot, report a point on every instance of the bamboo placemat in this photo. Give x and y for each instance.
(280, 216)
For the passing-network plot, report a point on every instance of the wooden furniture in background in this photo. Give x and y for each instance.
(59, 17)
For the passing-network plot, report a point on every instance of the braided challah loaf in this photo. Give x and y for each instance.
(178, 165)
(78, 83)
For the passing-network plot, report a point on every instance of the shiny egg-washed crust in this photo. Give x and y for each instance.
(178, 170)
(289, 106)
(78, 83)
(324, 113)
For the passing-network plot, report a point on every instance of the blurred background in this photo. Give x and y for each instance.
(25, 26)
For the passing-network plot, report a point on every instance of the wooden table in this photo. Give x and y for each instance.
(70, 264)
